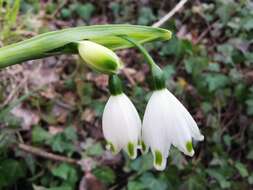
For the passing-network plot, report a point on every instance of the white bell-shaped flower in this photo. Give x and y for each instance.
(121, 125)
(167, 122)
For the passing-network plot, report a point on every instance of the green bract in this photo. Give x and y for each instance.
(66, 41)
(99, 57)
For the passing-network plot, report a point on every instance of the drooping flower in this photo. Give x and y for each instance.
(99, 57)
(121, 122)
(167, 122)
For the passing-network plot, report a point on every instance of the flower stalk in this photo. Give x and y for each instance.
(157, 74)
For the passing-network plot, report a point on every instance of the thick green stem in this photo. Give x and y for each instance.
(64, 41)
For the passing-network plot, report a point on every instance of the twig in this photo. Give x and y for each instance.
(14, 91)
(170, 14)
(45, 154)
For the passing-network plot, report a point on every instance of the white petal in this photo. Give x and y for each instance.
(183, 112)
(121, 124)
(153, 131)
(166, 121)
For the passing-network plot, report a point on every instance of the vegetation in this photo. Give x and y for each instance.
(50, 114)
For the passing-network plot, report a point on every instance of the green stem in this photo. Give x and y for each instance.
(146, 55)
(159, 81)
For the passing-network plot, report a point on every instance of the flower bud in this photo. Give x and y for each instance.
(99, 57)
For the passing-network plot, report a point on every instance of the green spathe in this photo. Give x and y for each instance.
(99, 57)
(65, 41)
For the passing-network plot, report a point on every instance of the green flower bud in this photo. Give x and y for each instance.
(99, 57)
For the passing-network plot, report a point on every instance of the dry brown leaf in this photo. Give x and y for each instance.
(88, 115)
(42, 76)
(55, 130)
(28, 117)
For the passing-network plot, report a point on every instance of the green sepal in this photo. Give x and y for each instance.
(158, 78)
(115, 85)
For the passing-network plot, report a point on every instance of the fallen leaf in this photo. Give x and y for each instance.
(88, 115)
(28, 117)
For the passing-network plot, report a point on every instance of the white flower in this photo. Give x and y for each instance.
(167, 122)
(121, 125)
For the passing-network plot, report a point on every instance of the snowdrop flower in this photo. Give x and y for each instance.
(99, 57)
(121, 122)
(167, 122)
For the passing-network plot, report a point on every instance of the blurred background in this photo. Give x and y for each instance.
(52, 107)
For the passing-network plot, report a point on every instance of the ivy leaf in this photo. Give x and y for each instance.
(10, 170)
(40, 135)
(85, 11)
(146, 16)
(219, 177)
(242, 169)
(216, 81)
(66, 172)
(105, 174)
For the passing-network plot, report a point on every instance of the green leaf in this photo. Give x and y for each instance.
(249, 104)
(85, 11)
(142, 164)
(169, 71)
(95, 150)
(66, 172)
(225, 11)
(152, 182)
(135, 185)
(65, 13)
(216, 81)
(11, 171)
(250, 179)
(195, 65)
(250, 155)
(219, 177)
(105, 174)
(146, 16)
(70, 133)
(241, 169)
(40, 135)
(247, 23)
(60, 144)
(65, 187)
(176, 47)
